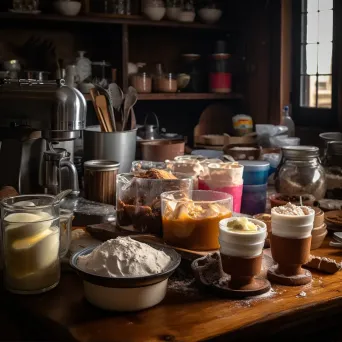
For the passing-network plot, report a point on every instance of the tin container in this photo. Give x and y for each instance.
(100, 180)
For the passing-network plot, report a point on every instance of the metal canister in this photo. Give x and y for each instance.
(100, 180)
(300, 171)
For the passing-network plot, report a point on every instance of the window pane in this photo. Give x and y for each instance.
(308, 91)
(309, 59)
(312, 5)
(324, 92)
(325, 4)
(325, 32)
(324, 58)
(312, 28)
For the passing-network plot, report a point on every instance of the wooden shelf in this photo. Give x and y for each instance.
(105, 19)
(188, 96)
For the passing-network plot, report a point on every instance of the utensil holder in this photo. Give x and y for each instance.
(119, 146)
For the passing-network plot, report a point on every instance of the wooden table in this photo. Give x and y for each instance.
(63, 314)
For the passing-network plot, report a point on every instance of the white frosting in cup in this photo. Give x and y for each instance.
(241, 243)
(292, 226)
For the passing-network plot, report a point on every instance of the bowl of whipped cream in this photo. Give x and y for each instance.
(124, 274)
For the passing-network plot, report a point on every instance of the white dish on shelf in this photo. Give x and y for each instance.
(186, 16)
(154, 13)
(24, 12)
(68, 8)
(210, 15)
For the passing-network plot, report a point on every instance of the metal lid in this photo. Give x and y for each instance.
(334, 148)
(300, 152)
(101, 165)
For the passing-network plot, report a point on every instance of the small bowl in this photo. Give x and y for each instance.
(126, 293)
(278, 200)
(154, 13)
(68, 8)
(319, 217)
(317, 241)
(210, 15)
(186, 16)
(319, 230)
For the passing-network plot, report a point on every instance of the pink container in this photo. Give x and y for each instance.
(234, 190)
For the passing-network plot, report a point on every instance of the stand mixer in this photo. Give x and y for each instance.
(31, 162)
(67, 121)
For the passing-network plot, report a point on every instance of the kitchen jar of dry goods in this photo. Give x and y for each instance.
(100, 180)
(31, 243)
(332, 163)
(142, 82)
(300, 172)
(138, 200)
(220, 77)
(168, 84)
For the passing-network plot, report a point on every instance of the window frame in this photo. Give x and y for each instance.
(308, 116)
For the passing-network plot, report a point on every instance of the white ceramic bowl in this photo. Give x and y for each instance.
(210, 15)
(187, 16)
(246, 245)
(173, 13)
(290, 226)
(126, 293)
(68, 8)
(155, 13)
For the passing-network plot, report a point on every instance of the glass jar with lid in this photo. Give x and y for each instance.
(31, 243)
(301, 172)
(332, 163)
(142, 82)
(168, 83)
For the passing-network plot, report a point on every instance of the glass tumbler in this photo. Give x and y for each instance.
(31, 242)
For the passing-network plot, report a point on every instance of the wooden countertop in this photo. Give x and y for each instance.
(64, 314)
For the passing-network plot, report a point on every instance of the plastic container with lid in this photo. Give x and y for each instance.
(254, 199)
(255, 172)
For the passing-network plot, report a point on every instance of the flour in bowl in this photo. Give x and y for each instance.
(124, 257)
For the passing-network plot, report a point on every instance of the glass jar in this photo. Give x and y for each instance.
(138, 201)
(142, 82)
(65, 223)
(332, 163)
(192, 220)
(300, 172)
(157, 77)
(191, 77)
(168, 83)
(220, 77)
(31, 242)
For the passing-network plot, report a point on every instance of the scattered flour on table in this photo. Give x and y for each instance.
(124, 256)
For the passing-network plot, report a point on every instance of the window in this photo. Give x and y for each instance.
(313, 92)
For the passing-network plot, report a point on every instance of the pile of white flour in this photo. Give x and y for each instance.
(124, 257)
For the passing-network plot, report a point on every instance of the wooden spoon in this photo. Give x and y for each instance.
(93, 94)
(101, 103)
(131, 99)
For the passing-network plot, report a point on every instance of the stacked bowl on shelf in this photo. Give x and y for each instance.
(255, 175)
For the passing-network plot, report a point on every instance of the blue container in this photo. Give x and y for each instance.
(254, 199)
(255, 172)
